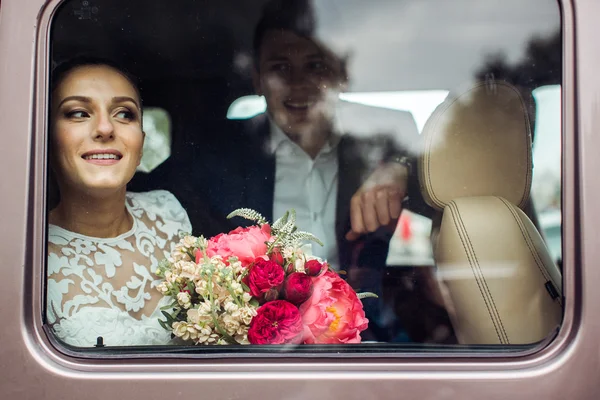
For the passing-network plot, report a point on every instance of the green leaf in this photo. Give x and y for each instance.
(164, 325)
(365, 295)
(169, 306)
(277, 225)
(249, 214)
(302, 235)
(168, 316)
(191, 287)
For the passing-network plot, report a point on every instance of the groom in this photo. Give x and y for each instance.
(346, 190)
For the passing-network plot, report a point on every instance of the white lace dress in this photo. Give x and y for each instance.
(106, 287)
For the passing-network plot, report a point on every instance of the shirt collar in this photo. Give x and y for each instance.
(278, 138)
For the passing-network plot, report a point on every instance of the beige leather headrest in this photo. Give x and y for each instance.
(477, 143)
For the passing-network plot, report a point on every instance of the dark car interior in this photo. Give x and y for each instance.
(194, 59)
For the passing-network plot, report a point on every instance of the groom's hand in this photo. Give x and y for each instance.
(378, 202)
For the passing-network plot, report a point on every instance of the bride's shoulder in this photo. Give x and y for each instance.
(159, 203)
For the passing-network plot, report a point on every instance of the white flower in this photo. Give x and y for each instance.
(237, 288)
(205, 308)
(189, 242)
(184, 299)
(288, 252)
(230, 324)
(299, 265)
(246, 314)
(179, 253)
(217, 261)
(184, 330)
(202, 242)
(243, 338)
(230, 307)
(188, 269)
(201, 287)
(236, 266)
(163, 287)
(170, 277)
(206, 336)
(199, 316)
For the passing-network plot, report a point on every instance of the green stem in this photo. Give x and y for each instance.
(272, 245)
(213, 312)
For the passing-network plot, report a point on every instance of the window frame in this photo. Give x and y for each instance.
(545, 354)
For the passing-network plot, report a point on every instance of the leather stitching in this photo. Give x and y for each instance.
(461, 232)
(534, 254)
(485, 285)
(482, 277)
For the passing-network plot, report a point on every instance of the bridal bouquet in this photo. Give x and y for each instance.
(257, 285)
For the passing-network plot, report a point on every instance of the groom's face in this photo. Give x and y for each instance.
(300, 82)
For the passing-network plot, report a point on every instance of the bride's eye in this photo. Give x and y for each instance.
(126, 115)
(77, 114)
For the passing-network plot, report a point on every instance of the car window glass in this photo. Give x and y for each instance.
(447, 111)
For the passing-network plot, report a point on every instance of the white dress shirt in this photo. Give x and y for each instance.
(310, 187)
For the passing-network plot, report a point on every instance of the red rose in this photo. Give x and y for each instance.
(277, 256)
(314, 267)
(276, 322)
(297, 288)
(263, 276)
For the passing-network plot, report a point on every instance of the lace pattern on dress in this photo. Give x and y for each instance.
(105, 287)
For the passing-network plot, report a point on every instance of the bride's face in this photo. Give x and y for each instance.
(96, 130)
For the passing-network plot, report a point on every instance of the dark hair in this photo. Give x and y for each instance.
(284, 15)
(59, 73)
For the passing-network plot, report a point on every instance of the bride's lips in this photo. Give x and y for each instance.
(102, 156)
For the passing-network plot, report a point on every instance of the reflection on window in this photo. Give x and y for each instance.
(546, 185)
(157, 144)
(420, 103)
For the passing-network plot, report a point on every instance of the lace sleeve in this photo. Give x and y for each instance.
(106, 286)
(163, 205)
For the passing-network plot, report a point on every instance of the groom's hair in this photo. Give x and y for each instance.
(296, 16)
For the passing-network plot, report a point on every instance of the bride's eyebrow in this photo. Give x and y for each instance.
(82, 99)
(122, 99)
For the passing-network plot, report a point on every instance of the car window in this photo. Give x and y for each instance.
(312, 173)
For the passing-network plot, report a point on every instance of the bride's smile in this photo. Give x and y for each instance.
(103, 156)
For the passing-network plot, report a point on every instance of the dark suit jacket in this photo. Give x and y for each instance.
(233, 169)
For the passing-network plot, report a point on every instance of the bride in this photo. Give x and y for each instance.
(104, 243)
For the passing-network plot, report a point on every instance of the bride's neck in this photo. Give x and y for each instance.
(92, 216)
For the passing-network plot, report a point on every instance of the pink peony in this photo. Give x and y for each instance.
(333, 314)
(245, 243)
